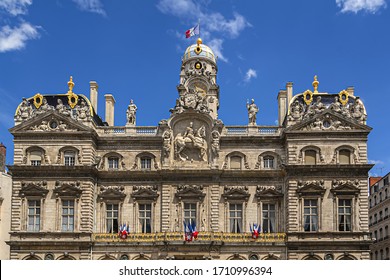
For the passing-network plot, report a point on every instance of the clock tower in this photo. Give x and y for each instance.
(198, 87)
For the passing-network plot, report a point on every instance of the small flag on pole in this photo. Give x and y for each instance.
(192, 31)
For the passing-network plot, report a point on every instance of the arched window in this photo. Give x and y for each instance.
(268, 162)
(310, 157)
(344, 156)
(235, 162)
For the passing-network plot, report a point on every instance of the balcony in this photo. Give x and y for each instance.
(179, 237)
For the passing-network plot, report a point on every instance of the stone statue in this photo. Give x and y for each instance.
(61, 108)
(252, 112)
(83, 112)
(296, 111)
(44, 107)
(24, 112)
(191, 140)
(130, 113)
(336, 105)
(318, 106)
(215, 143)
(167, 143)
(357, 110)
(317, 124)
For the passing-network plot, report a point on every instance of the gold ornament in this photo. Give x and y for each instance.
(308, 97)
(38, 100)
(343, 97)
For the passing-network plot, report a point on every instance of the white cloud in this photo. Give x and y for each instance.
(250, 74)
(15, 7)
(15, 38)
(375, 161)
(355, 6)
(210, 22)
(216, 46)
(93, 6)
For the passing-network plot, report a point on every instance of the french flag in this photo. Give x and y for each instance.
(192, 31)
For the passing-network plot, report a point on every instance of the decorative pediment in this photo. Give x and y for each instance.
(348, 187)
(268, 192)
(328, 120)
(145, 193)
(190, 192)
(311, 187)
(50, 121)
(67, 189)
(112, 193)
(236, 193)
(34, 189)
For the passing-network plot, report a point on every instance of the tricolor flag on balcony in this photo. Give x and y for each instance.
(124, 231)
(255, 230)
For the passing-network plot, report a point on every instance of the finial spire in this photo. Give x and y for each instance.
(315, 84)
(199, 41)
(70, 85)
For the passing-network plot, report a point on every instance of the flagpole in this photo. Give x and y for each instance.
(199, 27)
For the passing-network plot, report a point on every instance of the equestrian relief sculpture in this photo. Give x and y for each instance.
(190, 140)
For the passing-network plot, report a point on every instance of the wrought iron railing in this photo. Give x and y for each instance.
(179, 236)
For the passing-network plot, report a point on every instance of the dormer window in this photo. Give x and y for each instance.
(113, 163)
(35, 158)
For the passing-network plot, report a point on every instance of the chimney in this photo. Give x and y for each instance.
(3, 153)
(351, 91)
(289, 87)
(110, 103)
(282, 105)
(93, 94)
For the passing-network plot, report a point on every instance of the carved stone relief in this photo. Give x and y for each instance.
(190, 140)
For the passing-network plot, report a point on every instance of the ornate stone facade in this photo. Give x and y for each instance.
(304, 181)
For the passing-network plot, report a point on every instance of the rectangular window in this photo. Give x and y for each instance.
(113, 163)
(35, 162)
(69, 158)
(145, 217)
(310, 215)
(146, 163)
(35, 158)
(235, 162)
(269, 217)
(268, 162)
(310, 157)
(112, 218)
(34, 215)
(190, 212)
(235, 216)
(67, 215)
(345, 214)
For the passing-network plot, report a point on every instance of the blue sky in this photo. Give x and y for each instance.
(133, 50)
